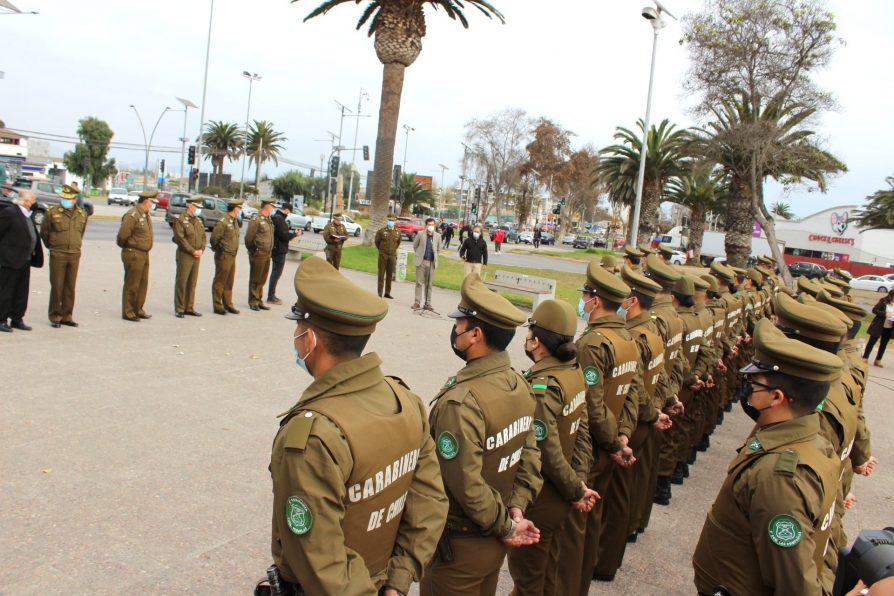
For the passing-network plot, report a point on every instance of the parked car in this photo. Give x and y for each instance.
(678, 258)
(132, 198)
(547, 238)
(503, 227)
(527, 237)
(600, 242)
(409, 227)
(213, 209)
(47, 192)
(298, 221)
(873, 283)
(808, 269)
(117, 196)
(164, 199)
(582, 242)
(351, 227)
(889, 277)
(248, 212)
(568, 238)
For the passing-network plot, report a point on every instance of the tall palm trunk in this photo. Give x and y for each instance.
(389, 112)
(739, 222)
(696, 232)
(648, 216)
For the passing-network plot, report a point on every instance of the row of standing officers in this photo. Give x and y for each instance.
(559, 467)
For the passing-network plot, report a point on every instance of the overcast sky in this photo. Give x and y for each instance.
(582, 63)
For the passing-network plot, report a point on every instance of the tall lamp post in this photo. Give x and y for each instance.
(408, 130)
(148, 142)
(204, 97)
(443, 169)
(653, 15)
(186, 105)
(354, 153)
(251, 79)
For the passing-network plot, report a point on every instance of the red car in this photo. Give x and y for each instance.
(164, 199)
(409, 227)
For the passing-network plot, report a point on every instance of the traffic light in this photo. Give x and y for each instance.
(366, 153)
(333, 166)
(474, 209)
(557, 210)
(562, 202)
(161, 167)
(191, 155)
(312, 172)
(490, 188)
(477, 194)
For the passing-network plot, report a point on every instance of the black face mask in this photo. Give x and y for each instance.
(744, 394)
(453, 336)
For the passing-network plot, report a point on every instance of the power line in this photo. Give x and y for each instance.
(123, 145)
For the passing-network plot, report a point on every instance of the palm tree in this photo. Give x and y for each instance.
(878, 214)
(409, 193)
(703, 191)
(221, 141)
(783, 210)
(619, 168)
(263, 145)
(399, 26)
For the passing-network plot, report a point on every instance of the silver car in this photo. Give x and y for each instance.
(298, 221)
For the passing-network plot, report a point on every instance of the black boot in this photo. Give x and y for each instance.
(720, 418)
(663, 491)
(677, 477)
(704, 443)
(728, 407)
(693, 455)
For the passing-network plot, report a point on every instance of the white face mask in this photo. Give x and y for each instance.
(476, 235)
(430, 229)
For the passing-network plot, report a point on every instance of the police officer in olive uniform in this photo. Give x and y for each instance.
(609, 358)
(566, 453)
(135, 239)
(334, 234)
(189, 236)
(387, 242)
(358, 502)
(482, 423)
(610, 264)
(647, 250)
(259, 242)
(225, 244)
(769, 526)
(62, 232)
(633, 256)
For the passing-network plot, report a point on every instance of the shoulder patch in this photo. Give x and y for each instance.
(785, 531)
(298, 516)
(449, 383)
(787, 463)
(541, 431)
(755, 444)
(448, 446)
(591, 375)
(299, 430)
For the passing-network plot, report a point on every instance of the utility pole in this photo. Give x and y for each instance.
(354, 154)
(338, 177)
(204, 97)
(251, 79)
(183, 175)
(443, 169)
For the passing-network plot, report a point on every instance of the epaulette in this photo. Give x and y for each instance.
(787, 463)
(399, 381)
(539, 385)
(298, 430)
(453, 392)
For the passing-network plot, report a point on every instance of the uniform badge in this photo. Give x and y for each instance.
(450, 383)
(755, 444)
(591, 375)
(785, 531)
(298, 516)
(540, 430)
(448, 447)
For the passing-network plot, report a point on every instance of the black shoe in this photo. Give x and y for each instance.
(604, 578)
(192, 313)
(728, 407)
(693, 455)
(263, 307)
(133, 319)
(685, 469)
(179, 315)
(678, 475)
(69, 323)
(704, 444)
(720, 418)
(220, 311)
(253, 307)
(55, 324)
(632, 538)
(663, 491)
(5, 328)
(389, 296)
(232, 310)
(20, 325)
(144, 316)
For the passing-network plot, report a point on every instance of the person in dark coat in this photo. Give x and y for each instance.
(20, 250)
(282, 235)
(880, 328)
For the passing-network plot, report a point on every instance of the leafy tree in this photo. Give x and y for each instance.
(619, 169)
(410, 193)
(878, 214)
(577, 183)
(294, 183)
(88, 159)
(702, 190)
(783, 210)
(221, 141)
(398, 26)
(263, 145)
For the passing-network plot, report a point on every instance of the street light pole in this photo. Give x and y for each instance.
(341, 122)
(408, 130)
(653, 15)
(186, 105)
(204, 97)
(149, 142)
(354, 154)
(443, 169)
(251, 79)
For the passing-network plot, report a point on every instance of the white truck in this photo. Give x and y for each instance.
(713, 244)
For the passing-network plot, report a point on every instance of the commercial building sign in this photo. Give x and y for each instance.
(839, 224)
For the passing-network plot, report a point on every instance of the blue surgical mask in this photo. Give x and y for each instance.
(582, 308)
(622, 312)
(197, 212)
(389, 225)
(66, 203)
(239, 216)
(302, 362)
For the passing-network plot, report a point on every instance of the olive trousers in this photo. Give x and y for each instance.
(224, 276)
(474, 570)
(333, 255)
(533, 568)
(185, 282)
(63, 279)
(136, 282)
(387, 264)
(259, 269)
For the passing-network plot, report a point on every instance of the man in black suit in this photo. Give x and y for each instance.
(281, 237)
(20, 250)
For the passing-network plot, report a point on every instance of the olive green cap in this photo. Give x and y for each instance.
(754, 275)
(763, 273)
(148, 194)
(843, 274)
(842, 285)
(722, 271)
(766, 260)
(665, 249)
(843, 318)
(69, 192)
(698, 283)
(854, 311)
(805, 285)
(712, 283)
(807, 320)
(235, 202)
(334, 215)
(831, 288)
(638, 282)
(329, 300)
(267, 201)
(774, 352)
(609, 262)
(646, 249)
(194, 200)
(605, 285)
(632, 251)
(554, 315)
(738, 271)
(476, 300)
(684, 286)
(662, 273)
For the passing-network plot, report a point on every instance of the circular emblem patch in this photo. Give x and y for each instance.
(591, 375)
(755, 445)
(785, 531)
(298, 516)
(448, 447)
(540, 430)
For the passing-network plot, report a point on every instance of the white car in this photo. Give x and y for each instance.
(527, 237)
(298, 221)
(132, 198)
(118, 196)
(568, 239)
(248, 212)
(319, 222)
(678, 258)
(873, 283)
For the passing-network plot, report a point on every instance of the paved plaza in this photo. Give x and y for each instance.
(134, 455)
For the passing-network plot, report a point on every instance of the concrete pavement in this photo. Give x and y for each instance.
(134, 455)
